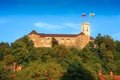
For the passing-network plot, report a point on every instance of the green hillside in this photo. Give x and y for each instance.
(59, 62)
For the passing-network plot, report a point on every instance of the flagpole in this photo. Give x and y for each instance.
(83, 17)
(91, 15)
(89, 18)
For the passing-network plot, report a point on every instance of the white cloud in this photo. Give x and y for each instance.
(72, 25)
(41, 24)
(45, 25)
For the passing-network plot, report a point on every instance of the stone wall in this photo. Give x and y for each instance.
(46, 41)
(78, 41)
(81, 41)
(36, 40)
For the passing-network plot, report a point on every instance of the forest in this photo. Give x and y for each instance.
(59, 62)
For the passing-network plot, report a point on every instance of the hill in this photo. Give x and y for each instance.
(59, 62)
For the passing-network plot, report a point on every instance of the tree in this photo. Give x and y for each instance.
(99, 39)
(117, 45)
(62, 54)
(4, 50)
(23, 49)
(109, 43)
(4, 74)
(78, 71)
(8, 59)
(41, 71)
(107, 58)
(54, 42)
(75, 51)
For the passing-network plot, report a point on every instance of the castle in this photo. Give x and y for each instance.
(70, 40)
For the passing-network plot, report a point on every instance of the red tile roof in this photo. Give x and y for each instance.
(33, 32)
(104, 77)
(116, 77)
(56, 35)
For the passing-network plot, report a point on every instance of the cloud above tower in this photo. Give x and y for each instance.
(48, 26)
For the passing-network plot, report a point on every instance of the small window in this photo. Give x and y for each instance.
(87, 30)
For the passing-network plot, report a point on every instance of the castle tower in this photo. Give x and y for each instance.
(86, 28)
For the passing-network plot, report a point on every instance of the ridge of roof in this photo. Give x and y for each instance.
(91, 38)
(33, 32)
(82, 33)
(57, 35)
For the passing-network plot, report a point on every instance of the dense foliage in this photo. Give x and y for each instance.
(60, 62)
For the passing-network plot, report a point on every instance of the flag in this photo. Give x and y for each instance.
(83, 15)
(92, 14)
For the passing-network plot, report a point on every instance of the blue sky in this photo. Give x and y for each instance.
(20, 17)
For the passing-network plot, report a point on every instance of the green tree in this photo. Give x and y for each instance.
(4, 74)
(75, 51)
(78, 71)
(117, 43)
(4, 50)
(107, 58)
(54, 42)
(41, 54)
(8, 59)
(41, 71)
(23, 50)
(62, 54)
(109, 43)
(99, 39)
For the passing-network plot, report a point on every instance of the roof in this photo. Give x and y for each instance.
(11, 68)
(33, 32)
(55, 35)
(116, 77)
(58, 35)
(104, 77)
(91, 38)
(82, 33)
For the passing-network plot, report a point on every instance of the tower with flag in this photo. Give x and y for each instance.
(86, 28)
(86, 24)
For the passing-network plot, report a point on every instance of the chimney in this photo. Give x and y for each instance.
(111, 73)
(99, 73)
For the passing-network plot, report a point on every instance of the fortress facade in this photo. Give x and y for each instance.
(70, 40)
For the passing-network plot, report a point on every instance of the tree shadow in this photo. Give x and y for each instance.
(77, 71)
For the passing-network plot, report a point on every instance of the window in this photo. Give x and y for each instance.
(87, 30)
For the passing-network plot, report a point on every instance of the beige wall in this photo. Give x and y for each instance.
(79, 42)
(86, 28)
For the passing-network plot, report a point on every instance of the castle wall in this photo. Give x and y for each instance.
(67, 41)
(36, 40)
(82, 40)
(78, 41)
(46, 41)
